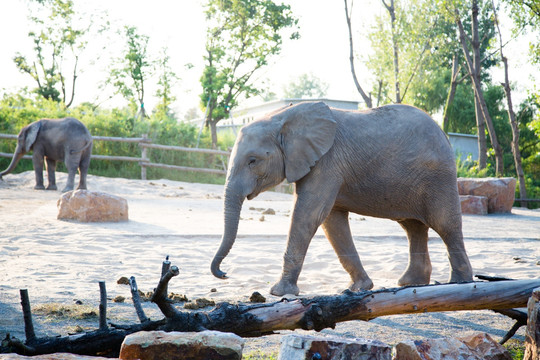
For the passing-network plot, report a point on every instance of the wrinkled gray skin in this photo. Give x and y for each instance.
(390, 162)
(53, 140)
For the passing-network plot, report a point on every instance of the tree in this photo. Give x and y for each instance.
(511, 115)
(242, 35)
(58, 44)
(167, 79)
(473, 65)
(306, 86)
(366, 97)
(131, 71)
(401, 42)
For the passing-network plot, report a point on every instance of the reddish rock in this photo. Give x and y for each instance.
(208, 345)
(55, 356)
(92, 206)
(296, 346)
(474, 205)
(476, 347)
(500, 192)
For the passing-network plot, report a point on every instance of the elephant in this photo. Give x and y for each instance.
(389, 162)
(55, 140)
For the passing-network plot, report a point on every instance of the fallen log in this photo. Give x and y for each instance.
(315, 313)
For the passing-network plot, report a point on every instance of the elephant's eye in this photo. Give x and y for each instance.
(252, 161)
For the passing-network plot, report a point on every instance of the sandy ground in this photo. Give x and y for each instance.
(61, 261)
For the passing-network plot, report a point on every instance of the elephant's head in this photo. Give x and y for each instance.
(25, 141)
(283, 144)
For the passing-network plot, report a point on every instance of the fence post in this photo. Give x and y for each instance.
(144, 157)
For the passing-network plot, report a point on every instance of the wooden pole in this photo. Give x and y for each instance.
(27, 315)
(136, 298)
(102, 306)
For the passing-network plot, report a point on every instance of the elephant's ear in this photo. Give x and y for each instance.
(32, 131)
(307, 133)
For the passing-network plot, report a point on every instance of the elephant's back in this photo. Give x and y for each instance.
(395, 130)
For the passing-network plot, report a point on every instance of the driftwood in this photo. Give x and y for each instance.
(314, 313)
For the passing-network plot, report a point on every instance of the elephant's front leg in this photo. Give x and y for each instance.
(37, 161)
(51, 174)
(309, 212)
(337, 230)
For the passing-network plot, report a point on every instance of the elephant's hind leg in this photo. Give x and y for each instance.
(450, 232)
(338, 232)
(419, 268)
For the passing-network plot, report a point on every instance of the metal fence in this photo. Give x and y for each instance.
(144, 161)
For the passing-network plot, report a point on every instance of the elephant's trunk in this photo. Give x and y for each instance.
(233, 205)
(17, 155)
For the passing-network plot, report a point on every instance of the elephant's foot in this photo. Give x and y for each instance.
(67, 188)
(461, 275)
(359, 285)
(52, 187)
(39, 187)
(415, 277)
(283, 287)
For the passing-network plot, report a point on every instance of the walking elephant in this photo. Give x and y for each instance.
(390, 162)
(66, 140)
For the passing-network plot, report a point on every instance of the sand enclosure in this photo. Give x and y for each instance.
(61, 261)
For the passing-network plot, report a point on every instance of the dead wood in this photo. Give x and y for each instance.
(315, 313)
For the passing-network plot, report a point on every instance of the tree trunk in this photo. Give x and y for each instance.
(367, 99)
(474, 71)
(512, 118)
(451, 92)
(392, 11)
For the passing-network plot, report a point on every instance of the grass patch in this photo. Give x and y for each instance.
(259, 355)
(516, 348)
(56, 311)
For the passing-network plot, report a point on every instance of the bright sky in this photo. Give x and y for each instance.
(179, 25)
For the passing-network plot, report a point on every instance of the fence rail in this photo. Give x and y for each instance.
(144, 161)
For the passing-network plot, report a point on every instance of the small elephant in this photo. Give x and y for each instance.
(55, 140)
(389, 162)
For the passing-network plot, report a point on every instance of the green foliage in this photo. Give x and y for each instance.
(242, 36)
(307, 86)
(17, 111)
(130, 72)
(59, 40)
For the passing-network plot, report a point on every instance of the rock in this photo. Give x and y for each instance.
(123, 281)
(92, 206)
(256, 297)
(473, 205)
(55, 356)
(269, 211)
(296, 346)
(500, 192)
(475, 347)
(199, 304)
(211, 345)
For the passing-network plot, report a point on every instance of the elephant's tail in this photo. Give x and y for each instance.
(88, 143)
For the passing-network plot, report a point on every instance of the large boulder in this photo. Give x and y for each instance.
(500, 192)
(92, 206)
(474, 347)
(296, 346)
(208, 345)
